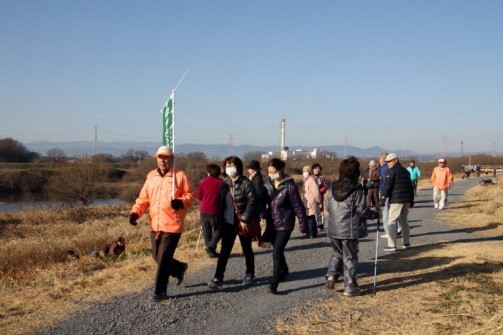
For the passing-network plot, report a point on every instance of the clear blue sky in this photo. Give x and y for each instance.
(417, 75)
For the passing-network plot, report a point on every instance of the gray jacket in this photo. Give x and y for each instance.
(348, 212)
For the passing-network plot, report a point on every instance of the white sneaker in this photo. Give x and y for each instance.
(436, 205)
(440, 207)
(384, 236)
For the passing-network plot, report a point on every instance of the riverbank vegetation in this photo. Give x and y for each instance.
(47, 271)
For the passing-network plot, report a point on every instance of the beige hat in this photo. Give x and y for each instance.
(390, 157)
(372, 163)
(164, 151)
(306, 168)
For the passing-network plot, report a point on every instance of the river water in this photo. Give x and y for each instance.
(20, 202)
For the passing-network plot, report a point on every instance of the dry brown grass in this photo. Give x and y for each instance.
(446, 288)
(41, 286)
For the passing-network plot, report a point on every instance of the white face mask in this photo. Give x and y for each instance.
(231, 171)
(305, 174)
(274, 176)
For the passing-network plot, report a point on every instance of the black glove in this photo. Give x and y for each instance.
(133, 217)
(383, 201)
(176, 204)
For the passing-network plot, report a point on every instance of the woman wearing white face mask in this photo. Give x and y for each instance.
(246, 221)
(312, 200)
(283, 204)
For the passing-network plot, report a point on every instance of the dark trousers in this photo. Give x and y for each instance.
(344, 260)
(312, 226)
(278, 256)
(414, 185)
(211, 232)
(228, 234)
(373, 197)
(163, 249)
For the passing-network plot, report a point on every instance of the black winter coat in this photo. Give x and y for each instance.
(398, 187)
(258, 184)
(284, 203)
(245, 198)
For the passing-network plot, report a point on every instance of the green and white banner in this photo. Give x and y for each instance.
(168, 130)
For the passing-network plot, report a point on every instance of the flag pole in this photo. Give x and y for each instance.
(173, 135)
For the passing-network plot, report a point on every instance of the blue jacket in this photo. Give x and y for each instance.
(383, 173)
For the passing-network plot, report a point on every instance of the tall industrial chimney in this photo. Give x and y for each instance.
(282, 135)
(283, 149)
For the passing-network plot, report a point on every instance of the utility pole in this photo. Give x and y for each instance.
(346, 146)
(95, 139)
(494, 149)
(230, 146)
(461, 148)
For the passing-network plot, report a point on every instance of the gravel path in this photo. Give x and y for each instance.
(195, 309)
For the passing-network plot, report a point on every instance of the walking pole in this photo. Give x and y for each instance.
(198, 238)
(375, 259)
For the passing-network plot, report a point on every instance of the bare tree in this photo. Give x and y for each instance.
(80, 181)
(56, 154)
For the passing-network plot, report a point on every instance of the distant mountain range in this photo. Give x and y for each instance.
(212, 151)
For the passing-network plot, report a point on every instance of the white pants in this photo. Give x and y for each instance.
(440, 197)
(398, 213)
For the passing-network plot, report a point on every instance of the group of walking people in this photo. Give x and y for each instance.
(235, 206)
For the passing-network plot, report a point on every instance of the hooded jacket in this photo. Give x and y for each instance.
(156, 194)
(312, 196)
(348, 212)
(284, 204)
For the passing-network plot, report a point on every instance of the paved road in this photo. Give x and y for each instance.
(195, 309)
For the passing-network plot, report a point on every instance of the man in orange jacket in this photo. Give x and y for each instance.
(442, 180)
(168, 208)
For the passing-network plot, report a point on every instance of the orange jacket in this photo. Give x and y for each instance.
(156, 195)
(441, 178)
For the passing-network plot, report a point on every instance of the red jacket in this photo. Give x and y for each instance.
(208, 193)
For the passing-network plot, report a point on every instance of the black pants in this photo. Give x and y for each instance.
(344, 259)
(312, 226)
(163, 249)
(278, 256)
(211, 232)
(228, 233)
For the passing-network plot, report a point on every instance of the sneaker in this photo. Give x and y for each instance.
(384, 236)
(352, 293)
(330, 284)
(406, 246)
(215, 284)
(179, 278)
(399, 233)
(211, 252)
(248, 279)
(391, 249)
(436, 205)
(160, 297)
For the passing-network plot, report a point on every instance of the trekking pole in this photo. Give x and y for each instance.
(375, 259)
(198, 238)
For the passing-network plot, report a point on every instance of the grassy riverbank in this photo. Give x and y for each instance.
(40, 285)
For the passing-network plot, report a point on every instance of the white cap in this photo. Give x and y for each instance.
(164, 151)
(372, 163)
(390, 157)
